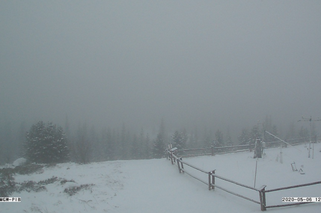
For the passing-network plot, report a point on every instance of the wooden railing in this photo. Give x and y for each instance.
(227, 149)
(211, 176)
(214, 150)
(290, 187)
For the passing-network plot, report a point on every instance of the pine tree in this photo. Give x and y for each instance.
(108, 144)
(228, 140)
(219, 138)
(96, 154)
(292, 133)
(82, 145)
(255, 133)
(159, 146)
(8, 143)
(179, 139)
(208, 138)
(160, 142)
(135, 148)
(21, 138)
(184, 138)
(304, 135)
(146, 148)
(268, 126)
(45, 143)
(194, 139)
(244, 138)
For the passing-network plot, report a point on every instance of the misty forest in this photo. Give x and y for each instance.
(160, 106)
(85, 144)
(110, 80)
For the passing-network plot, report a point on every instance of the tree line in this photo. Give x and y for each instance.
(49, 143)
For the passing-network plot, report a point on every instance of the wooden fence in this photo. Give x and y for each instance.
(290, 187)
(211, 180)
(227, 149)
(211, 177)
(214, 150)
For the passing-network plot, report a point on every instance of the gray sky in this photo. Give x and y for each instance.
(219, 63)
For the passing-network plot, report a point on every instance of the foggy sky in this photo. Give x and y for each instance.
(218, 63)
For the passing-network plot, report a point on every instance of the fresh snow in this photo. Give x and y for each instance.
(156, 185)
(19, 162)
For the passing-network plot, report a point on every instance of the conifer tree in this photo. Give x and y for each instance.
(244, 138)
(160, 142)
(219, 140)
(179, 139)
(159, 146)
(45, 143)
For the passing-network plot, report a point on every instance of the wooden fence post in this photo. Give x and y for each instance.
(182, 165)
(172, 158)
(179, 165)
(213, 180)
(262, 198)
(209, 181)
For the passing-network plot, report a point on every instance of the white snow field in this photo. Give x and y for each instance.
(145, 186)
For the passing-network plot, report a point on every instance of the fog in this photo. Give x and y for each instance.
(219, 64)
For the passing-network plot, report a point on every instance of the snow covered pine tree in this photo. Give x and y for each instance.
(179, 140)
(46, 144)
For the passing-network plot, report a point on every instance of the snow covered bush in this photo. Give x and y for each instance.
(27, 169)
(7, 183)
(46, 144)
(74, 188)
(19, 162)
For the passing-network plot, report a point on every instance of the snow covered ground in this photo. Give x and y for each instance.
(157, 186)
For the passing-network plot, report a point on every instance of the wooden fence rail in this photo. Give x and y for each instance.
(214, 150)
(226, 149)
(290, 187)
(211, 180)
(211, 183)
(295, 186)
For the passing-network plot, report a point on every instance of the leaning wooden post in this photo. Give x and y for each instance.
(172, 158)
(262, 198)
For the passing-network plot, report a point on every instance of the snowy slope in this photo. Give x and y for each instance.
(156, 186)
